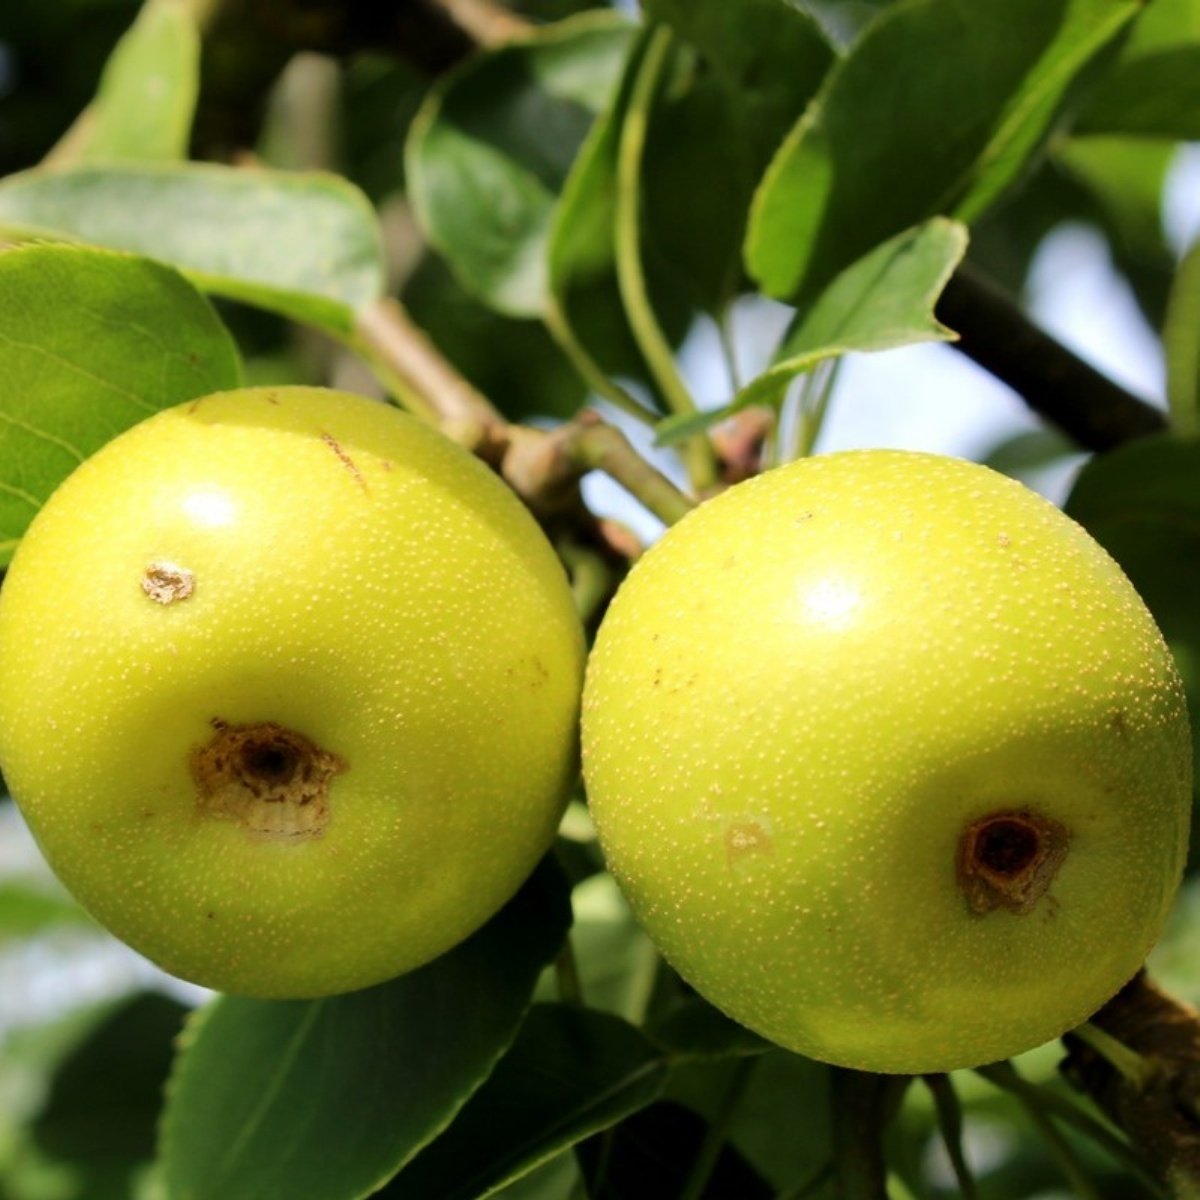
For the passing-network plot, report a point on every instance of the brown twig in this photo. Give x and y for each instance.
(427, 381)
(1057, 384)
(545, 466)
(739, 443)
(1159, 1105)
(861, 1106)
(484, 21)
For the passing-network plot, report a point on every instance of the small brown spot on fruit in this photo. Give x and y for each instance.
(167, 582)
(743, 838)
(345, 459)
(270, 779)
(1009, 859)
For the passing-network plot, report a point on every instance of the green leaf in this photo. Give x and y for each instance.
(558, 1179)
(304, 245)
(489, 153)
(617, 962)
(91, 342)
(1164, 23)
(654, 1153)
(580, 246)
(1124, 179)
(513, 362)
(326, 1099)
(1153, 88)
(884, 300)
(1153, 95)
(98, 1122)
(742, 74)
(569, 1073)
(769, 56)
(781, 1121)
(143, 110)
(1141, 504)
(30, 908)
(1023, 454)
(966, 90)
(693, 1028)
(1181, 342)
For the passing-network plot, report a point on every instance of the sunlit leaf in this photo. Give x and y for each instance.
(143, 110)
(304, 245)
(960, 128)
(91, 342)
(883, 301)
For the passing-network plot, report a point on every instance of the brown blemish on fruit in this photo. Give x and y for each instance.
(745, 838)
(1009, 859)
(270, 779)
(345, 459)
(167, 583)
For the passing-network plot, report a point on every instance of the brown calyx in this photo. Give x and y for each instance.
(1009, 859)
(270, 779)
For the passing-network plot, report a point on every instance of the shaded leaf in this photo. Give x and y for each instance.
(693, 1028)
(1152, 95)
(1153, 87)
(883, 301)
(1023, 454)
(514, 362)
(1181, 342)
(1123, 180)
(1141, 504)
(781, 1121)
(652, 1154)
(769, 56)
(558, 1179)
(100, 1116)
(143, 110)
(570, 1072)
(1006, 238)
(489, 153)
(967, 90)
(583, 288)
(742, 75)
(304, 245)
(91, 342)
(617, 962)
(326, 1099)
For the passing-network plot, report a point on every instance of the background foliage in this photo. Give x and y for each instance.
(498, 216)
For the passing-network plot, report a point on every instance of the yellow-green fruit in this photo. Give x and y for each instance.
(288, 690)
(890, 760)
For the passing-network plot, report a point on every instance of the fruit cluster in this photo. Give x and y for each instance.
(886, 753)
